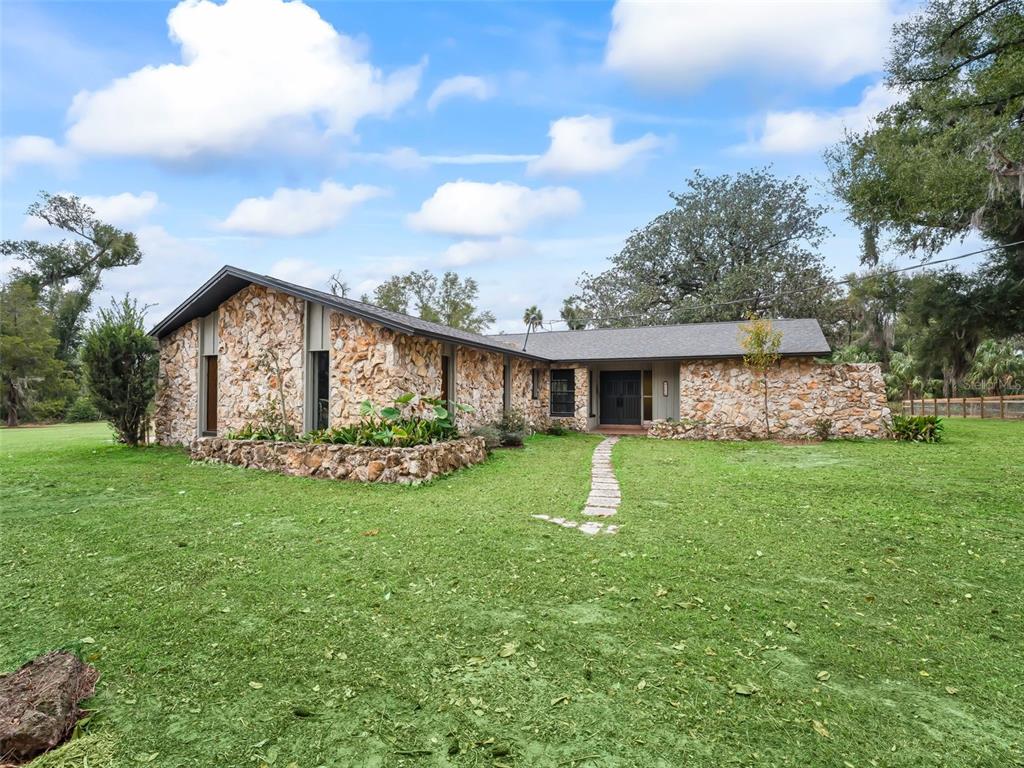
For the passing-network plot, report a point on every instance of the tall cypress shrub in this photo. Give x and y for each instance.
(121, 362)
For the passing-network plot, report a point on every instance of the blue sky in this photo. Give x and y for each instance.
(516, 143)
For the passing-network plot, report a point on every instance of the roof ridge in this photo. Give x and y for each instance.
(660, 325)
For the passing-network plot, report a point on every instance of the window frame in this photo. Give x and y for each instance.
(567, 396)
(535, 383)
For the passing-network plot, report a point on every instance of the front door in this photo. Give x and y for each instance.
(621, 397)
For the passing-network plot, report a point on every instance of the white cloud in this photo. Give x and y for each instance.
(684, 44)
(809, 130)
(124, 209)
(249, 68)
(297, 211)
(35, 150)
(476, 209)
(475, 251)
(585, 145)
(468, 86)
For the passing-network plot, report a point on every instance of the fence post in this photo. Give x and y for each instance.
(1002, 407)
(982, 398)
(963, 407)
(911, 405)
(947, 406)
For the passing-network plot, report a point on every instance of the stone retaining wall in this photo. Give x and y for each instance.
(724, 400)
(344, 462)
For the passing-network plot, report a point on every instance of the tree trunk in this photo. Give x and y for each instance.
(12, 415)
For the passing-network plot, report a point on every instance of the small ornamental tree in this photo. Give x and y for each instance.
(121, 362)
(761, 345)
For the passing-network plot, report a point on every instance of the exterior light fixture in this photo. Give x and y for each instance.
(664, 389)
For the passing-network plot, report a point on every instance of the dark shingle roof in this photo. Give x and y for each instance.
(694, 340)
(230, 280)
(799, 337)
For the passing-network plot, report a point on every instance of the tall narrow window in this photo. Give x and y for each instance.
(648, 396)
(535, 383)
(211, 395)
(563, 392)
(321, 365)
(590, 394)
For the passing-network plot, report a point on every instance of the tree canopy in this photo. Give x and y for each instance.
(949, 157)
(450, 301)
(731, 245)
(67, 273)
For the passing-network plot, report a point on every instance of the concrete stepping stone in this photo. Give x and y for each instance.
(604, 498)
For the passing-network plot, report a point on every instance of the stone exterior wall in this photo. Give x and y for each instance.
(723, 400)
(176, 413)
(255, 327)
(344, 462)
(370, 362)
(479, 383)
(534, 409)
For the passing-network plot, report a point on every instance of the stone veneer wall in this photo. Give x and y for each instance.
(256, 323)
(479, 383)
(371, 362)
(175, 416)
(535, 410)
(344, 462)
(723, 400)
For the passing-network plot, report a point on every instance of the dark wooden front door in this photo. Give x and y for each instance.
(621, 397)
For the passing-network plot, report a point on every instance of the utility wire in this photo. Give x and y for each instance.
(830, 284)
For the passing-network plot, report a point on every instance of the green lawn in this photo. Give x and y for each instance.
(869, 595)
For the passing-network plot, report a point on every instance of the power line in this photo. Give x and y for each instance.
(795, 291)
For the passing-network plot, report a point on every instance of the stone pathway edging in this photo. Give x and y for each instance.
(604, 498)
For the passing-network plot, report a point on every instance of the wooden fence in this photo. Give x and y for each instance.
(988, 407)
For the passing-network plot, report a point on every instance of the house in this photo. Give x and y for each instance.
(243, 338)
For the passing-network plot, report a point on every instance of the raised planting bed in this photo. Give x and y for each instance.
(364, 464)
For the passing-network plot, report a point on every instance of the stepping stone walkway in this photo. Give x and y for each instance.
(604, 498)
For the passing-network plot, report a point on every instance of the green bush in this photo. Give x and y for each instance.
(490, 434)
(557, 429)
(121, 362)
(51, 409)
(412, 420)
(512, 439)
(82, 409)
(918, 429)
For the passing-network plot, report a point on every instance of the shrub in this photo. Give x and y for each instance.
(512, 439)
(121, 362)
(918, 429)
(411, 420)
(490, 434)
(82, 409)
(51, 409)
(823, 428)
(557, 429)
(512, 420)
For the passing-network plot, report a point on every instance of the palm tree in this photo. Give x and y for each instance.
(533, 318)
(997, 367)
